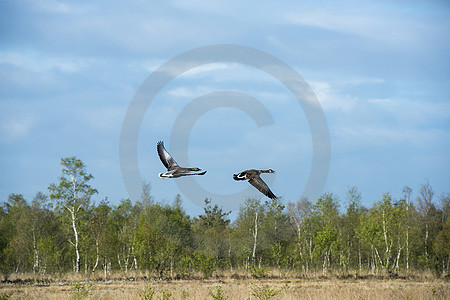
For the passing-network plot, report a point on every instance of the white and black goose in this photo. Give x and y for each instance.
(173, 169)
(253, 178)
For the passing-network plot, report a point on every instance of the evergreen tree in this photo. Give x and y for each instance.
(211, 244)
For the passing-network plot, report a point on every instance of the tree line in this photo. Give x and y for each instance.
(65, 231)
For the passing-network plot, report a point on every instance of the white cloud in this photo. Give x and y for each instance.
(352, 81)
(273, 96)
(210, 7)
(38, 63)
(16, 127)
(150, 65)
(185, 92)
(209, 68)
(330, 100)
(412, 112)
(378, 135)
(392, 123)
(393, 28)
(59, 7)
(105, 118)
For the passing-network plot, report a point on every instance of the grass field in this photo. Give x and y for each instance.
(228, 288)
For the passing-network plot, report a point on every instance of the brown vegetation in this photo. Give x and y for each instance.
(313, 286)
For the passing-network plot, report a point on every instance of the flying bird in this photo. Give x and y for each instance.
(173, 169)
(253, 178)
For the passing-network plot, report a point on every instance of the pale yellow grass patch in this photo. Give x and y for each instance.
(240, 289)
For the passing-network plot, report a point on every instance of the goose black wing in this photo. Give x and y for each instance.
(165, 157)
(258, 183)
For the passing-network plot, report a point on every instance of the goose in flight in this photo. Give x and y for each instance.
(253, 178)
(173, 169)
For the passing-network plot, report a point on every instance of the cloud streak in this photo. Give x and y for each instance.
(13, 129)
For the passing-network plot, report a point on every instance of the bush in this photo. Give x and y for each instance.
(81, 290)
(148, 293)
(258, 272)
(218, 294)
(264, 292)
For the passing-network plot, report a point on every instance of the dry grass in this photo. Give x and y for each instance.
(422, 288)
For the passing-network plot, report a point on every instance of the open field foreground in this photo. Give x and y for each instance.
(233, 289)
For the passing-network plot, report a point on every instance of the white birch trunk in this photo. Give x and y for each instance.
(407, 234)
(97, 256)
(75, 233)
(379, 257)
(398, 258)
(134, 259)
(105, 267)
(120, 262)
(426, 240)
(388, 250)
(255, 236)
(35, 253)
(324, 263)
(359, 258)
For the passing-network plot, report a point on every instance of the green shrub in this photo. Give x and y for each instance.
(165, 295)
(258, 272)
(81, 290)
(5, 295)
(217, 294)
(264, 292)
(148, 293)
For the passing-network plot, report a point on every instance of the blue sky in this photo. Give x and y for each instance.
(69, 70)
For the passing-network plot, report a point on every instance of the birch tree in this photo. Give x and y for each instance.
(42, 228)
(97, 228)
(426, 209)
(326, 211)
(301, 216)
(431, 221)
(73, 193)
(441, 247)
(407, 198)
(19, 244)
(247, 230)
(125, 220)
(351, 222)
